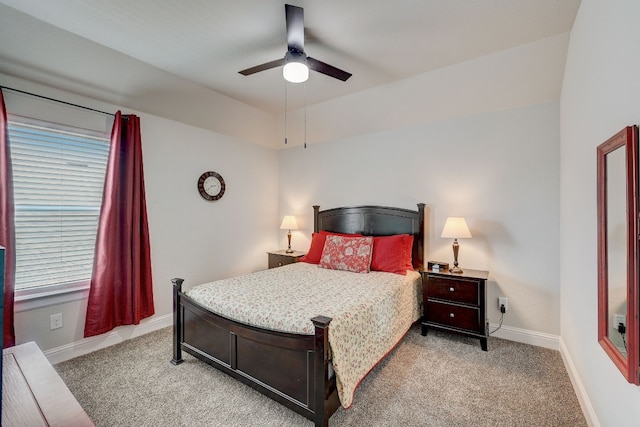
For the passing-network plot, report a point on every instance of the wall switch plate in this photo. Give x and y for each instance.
(55, 321)
(503, 301)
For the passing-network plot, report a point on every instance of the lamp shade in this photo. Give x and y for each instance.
(455, 228)
(295, 72)
(289, 223)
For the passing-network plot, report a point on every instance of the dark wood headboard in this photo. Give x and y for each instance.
(375, 221)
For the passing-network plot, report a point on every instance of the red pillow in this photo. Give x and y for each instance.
(390, 254)
(347, 253)
(408, 246)
(317, 245)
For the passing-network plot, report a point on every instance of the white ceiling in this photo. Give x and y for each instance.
(380, 41)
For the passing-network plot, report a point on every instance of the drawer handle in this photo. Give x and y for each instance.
(279, 264)
(452, 315)
(452, 289)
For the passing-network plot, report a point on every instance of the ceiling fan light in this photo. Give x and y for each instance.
(295, 72)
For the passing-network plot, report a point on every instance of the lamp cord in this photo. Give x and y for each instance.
(499, 326)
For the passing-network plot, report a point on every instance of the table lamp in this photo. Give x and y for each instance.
(289, 223)
(455, 228)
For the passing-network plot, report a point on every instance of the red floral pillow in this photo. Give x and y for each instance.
(317, 245)
(347, 253)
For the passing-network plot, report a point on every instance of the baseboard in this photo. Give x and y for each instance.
(118, 335)
(525, 336)
(583, 397)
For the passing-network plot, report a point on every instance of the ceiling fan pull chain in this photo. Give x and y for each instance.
(305, 115)
(285, 113)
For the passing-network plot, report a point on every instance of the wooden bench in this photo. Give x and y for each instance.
(33, 392)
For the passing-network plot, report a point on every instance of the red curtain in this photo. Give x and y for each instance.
(7, 230)
(121, 290)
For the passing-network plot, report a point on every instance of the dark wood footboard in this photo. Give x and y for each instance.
(291, 369)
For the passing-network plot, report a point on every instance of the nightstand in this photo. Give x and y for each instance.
(456, 303)
(280, 258)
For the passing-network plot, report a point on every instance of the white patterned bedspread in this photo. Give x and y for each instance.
(371, 312)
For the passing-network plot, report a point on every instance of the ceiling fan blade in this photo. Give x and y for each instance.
(327, 69)
(262, 67)
(295, 27)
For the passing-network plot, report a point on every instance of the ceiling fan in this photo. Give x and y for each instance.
(296, 62)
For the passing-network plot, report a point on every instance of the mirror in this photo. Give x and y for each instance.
(618, 297)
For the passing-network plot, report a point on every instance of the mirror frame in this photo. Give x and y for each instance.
(627, 139)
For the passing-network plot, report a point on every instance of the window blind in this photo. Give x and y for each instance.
(58, 179)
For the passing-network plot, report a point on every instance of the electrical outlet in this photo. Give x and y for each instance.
(503, 301)
(619, 318)
(55, 321)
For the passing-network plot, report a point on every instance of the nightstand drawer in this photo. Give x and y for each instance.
(280, 258)
(455, 316)
(457, 290)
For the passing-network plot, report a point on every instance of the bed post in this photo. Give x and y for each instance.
(316, 210)
(321, 370)
(177, 321)
(421, 208)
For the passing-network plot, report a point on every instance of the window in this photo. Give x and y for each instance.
(58, 179)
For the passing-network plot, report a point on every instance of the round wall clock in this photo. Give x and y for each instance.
(211, 185)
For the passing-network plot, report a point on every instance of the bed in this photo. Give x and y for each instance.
(294, 368)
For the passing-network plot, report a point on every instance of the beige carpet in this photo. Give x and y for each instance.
(437, 380)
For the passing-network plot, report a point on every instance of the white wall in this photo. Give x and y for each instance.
(525, 75)
(499, 170)
(600, 96)
(190, 237)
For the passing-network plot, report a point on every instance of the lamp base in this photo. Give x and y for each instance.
(456, 270)
(289, 250)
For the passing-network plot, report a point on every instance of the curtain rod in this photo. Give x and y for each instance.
(57, 100)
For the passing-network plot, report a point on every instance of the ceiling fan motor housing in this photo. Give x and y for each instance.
(294, 55)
